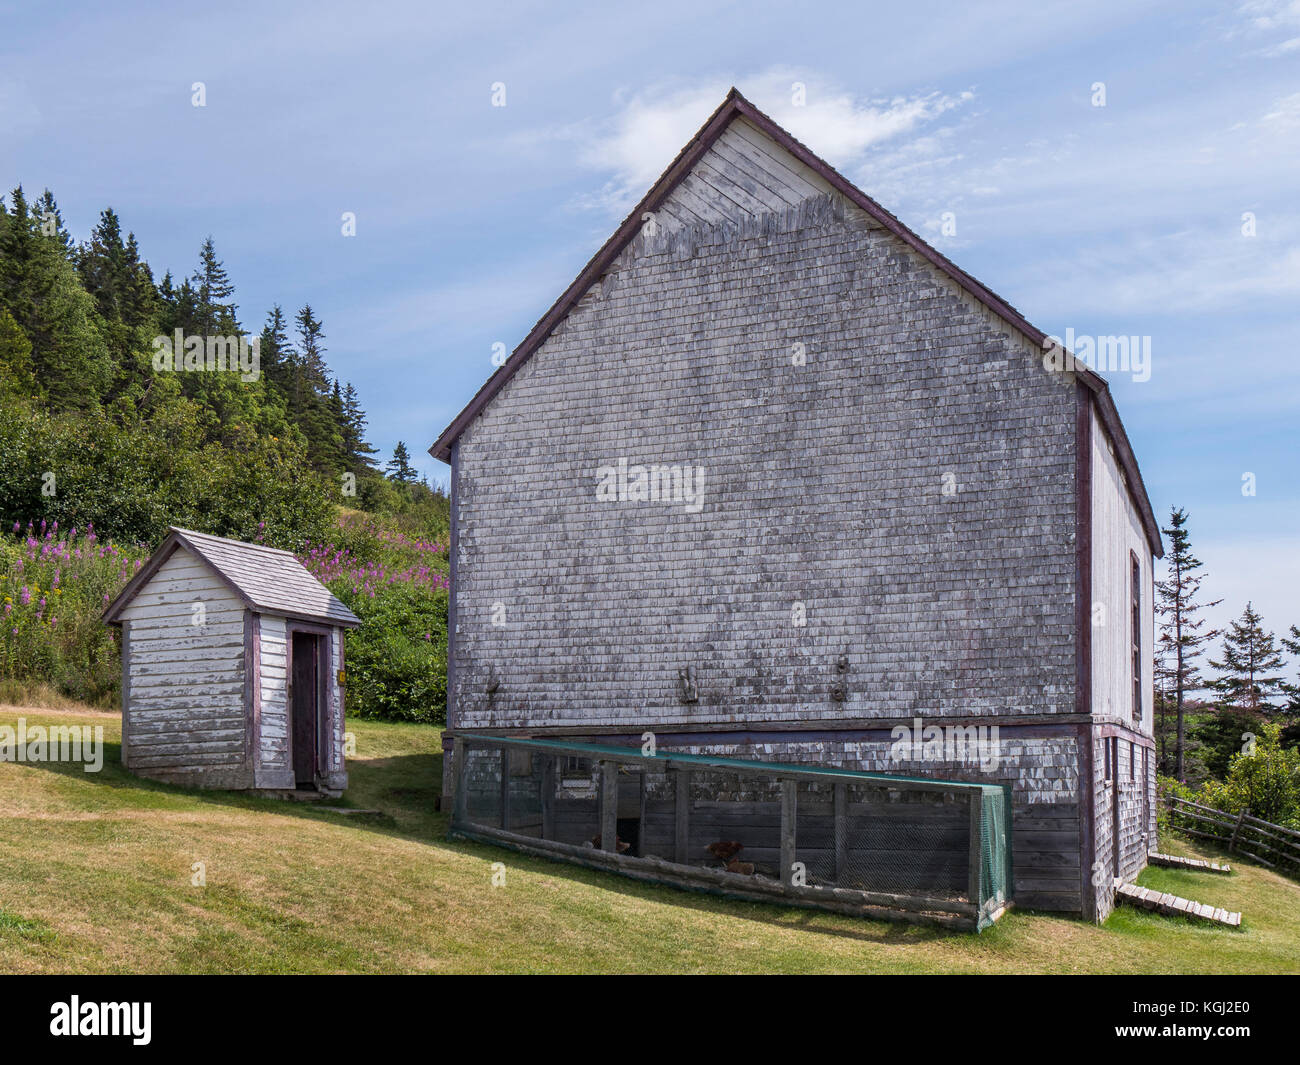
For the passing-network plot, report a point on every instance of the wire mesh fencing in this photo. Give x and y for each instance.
(858, 842)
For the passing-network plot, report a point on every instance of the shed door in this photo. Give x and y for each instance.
(305, 703)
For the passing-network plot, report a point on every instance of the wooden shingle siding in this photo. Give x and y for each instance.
(824, 487)
(893, 480)
(742, 176)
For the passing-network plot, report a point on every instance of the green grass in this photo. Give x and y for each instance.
(95, 876)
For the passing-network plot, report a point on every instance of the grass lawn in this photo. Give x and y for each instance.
(95, 874)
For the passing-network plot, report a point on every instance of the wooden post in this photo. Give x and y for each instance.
(1232, 843)
(976, 845)
(841, 822)
(459, 800)
(548, 796)
(505, 787)
(682, 816)
(641, 810)
(609, 806)
(789, 810)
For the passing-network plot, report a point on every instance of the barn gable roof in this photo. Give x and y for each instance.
(267, 579)
(733, 107)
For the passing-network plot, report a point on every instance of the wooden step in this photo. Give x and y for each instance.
(1174, 906)
(1174, 861)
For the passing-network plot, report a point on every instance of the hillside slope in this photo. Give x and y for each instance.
(95, 875)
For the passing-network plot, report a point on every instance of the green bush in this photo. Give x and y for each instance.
(397, 658)
(1167, 788)
(132, 478)
(1264, 781)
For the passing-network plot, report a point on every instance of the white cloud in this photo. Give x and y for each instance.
(637, 143)
(1261, 19)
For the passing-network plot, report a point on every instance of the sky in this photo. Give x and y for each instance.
(1111, 168)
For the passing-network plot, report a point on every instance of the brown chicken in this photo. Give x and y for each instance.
(724, 850)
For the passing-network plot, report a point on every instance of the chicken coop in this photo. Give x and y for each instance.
(852, 842)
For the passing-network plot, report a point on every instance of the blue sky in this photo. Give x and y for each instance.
(1120, 219)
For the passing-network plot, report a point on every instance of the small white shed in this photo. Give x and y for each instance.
(232, 669)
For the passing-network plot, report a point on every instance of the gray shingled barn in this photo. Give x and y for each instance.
(895, 510)
(232, 665)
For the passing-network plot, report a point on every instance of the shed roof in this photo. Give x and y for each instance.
(736, 106)
(267, 579)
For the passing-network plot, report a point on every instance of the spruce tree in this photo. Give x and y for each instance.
(40, 289)
(277, 353)
(1292, 644)
(358, 450)
(399, 466)
(51, 222)
(102, 264)
(1181, 637)
(310, 400)
(214, 305)
(140, 305)
(312, 351)
(1249, 658)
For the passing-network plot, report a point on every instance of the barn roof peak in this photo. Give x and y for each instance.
(268, 580)
(736, 106)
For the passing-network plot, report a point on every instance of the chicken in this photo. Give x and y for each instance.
(725, 850)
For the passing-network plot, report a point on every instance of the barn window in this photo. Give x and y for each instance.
(1136, 627)
(1109, 759)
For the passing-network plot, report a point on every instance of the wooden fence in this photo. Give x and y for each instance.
(870, 844)
(1259, 840)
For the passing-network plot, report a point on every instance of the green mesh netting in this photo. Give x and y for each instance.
(886, 836)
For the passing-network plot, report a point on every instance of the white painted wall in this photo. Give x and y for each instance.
(185, 670)
(273, 739)
(1117, 530)
(275, 757)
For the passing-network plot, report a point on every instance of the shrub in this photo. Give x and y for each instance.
(1265, 781)
(396, 583)
(397, 658)
(1166, 788)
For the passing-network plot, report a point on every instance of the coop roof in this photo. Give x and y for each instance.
(733, 107)
(268, 580)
